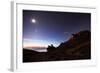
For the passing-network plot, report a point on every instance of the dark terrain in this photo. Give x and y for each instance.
(78, 47)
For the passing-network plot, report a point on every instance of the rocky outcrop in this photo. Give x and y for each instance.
(77, 47)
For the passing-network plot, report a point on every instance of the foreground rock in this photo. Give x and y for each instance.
(78, 47)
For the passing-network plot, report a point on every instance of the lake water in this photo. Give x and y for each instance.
(40, 49)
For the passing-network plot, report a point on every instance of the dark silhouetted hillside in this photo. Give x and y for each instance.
(76, 48)
(33, 56)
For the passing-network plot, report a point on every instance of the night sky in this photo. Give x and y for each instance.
(42, 28)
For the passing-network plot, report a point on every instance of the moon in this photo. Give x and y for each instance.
(33, 20)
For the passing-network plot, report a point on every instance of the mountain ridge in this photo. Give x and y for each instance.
(76, 48)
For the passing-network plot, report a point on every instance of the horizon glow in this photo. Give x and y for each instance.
(37, 43)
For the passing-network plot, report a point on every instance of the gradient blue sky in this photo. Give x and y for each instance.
(52, 27)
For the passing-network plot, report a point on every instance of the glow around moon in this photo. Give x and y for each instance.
(33, 20)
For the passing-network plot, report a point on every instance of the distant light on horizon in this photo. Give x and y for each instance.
(28, 43)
